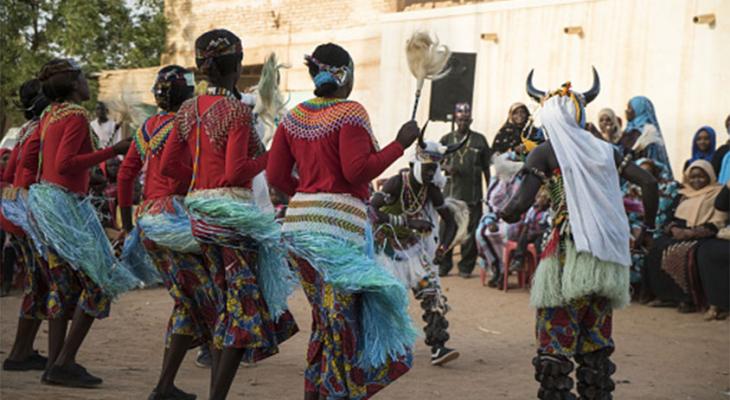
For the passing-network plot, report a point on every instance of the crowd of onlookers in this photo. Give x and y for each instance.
(687, 264)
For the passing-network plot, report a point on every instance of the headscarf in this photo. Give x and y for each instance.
(644, 115)
(698, 206)
(614, 120)
(697, 154)
(509, 135)
(595, 203)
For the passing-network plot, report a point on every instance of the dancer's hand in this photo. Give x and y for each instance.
(122, 146)
(408, 134)
(420, 225)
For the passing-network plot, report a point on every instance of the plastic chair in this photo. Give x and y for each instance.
(525, 274)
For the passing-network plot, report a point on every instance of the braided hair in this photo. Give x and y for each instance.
(174, 85)
(331, 55)
(32, 100)
(218, 53)
(58, 77)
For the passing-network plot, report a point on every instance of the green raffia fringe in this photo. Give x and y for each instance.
(69, 225)
(386, 327)
(581, 275)
(229, 221)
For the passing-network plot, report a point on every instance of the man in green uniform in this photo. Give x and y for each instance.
(465, 168)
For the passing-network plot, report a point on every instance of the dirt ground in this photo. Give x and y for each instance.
(661, 354)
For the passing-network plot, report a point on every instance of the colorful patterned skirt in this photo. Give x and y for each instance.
(240, 245)
(580, 327)
(35, 287)
(362, 335)
(183, 273)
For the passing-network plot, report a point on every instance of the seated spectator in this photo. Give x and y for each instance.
(668, 201)
(530, 230)
(610, 125)
(703, 146)
(672, 270)
(721, 158)
(491, 236)
(713, 260)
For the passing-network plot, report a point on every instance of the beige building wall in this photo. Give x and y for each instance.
(648, 47)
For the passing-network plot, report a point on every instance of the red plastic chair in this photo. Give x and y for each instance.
(525, 274)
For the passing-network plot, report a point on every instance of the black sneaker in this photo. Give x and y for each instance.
(34, 362)
(175, 394)
(73, 375)
(443, 355)
(203, 359)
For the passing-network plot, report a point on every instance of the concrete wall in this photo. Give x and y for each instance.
(647, 47)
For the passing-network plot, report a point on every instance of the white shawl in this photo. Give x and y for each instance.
(593, 194)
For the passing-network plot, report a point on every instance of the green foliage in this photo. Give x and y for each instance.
(99, 34)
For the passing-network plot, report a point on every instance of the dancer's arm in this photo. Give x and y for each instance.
(12, 165)
(281, 164)
(176, 157)
(75, 134)
(240, 168)
(360, 162)
(128, 172)
(522, 200)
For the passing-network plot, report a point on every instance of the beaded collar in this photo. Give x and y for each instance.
(320, 117)
(152, 143)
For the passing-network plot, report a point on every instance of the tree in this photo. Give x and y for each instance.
(99, 34)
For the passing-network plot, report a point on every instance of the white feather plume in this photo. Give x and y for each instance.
(427, 58)
(505, 168)
(270, 102)
(460, 211)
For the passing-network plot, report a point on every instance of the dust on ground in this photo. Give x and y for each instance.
(661, 354)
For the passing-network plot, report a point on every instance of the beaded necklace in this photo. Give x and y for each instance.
(151, 144)
(412, 202)
(211, 91)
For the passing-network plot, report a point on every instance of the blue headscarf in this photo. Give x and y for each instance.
(644, 114)
(697, 154)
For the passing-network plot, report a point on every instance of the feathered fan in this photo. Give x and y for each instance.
(426, 60)
(270, 103)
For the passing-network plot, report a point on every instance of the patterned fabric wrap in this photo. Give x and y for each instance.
(151, 143)
(228, 217)
(244, 320)
(135, 259)
(676, 261)
(14, 208)
(334, 369)
(580, 327)
(35, 287)
(320, 117)
(70, 227)
(344, 259)
(69, 288)
(165, 222)
(191, 288)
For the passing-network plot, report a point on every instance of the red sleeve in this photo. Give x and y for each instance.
(239, 167)
(128, 172)
(176, 158)
(30, 151)
(279, 170)
(360, 163)
(75, 134)
(12, 165)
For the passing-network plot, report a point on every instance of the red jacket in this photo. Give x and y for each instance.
(67, 150)
(333, 147)
(148, 145)
(230, 152)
